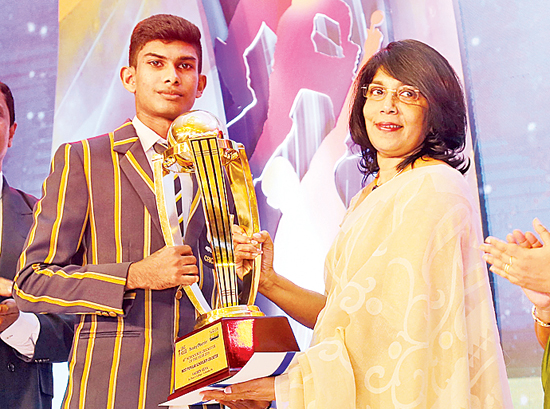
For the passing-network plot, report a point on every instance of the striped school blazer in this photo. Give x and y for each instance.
(97, 215)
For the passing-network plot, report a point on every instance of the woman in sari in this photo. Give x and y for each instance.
(407, 318)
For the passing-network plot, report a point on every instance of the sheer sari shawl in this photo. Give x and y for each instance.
(409, 320)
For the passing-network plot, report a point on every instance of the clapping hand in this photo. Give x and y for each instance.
(523, 260)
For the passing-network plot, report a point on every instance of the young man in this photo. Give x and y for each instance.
(96, 247)
(29, 342)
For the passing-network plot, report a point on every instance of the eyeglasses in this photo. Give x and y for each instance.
(405, 93)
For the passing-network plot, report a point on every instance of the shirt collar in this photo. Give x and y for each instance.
(146, 135)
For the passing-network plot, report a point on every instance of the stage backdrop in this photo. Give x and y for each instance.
(279, 73)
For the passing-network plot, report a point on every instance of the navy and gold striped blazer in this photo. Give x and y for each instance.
(97, 215)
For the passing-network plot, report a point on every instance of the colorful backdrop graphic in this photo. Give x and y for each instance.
(279, 74)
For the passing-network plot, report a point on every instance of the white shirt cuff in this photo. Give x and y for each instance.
(22, 334)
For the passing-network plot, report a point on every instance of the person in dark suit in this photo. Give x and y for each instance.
(29, 342)
(96, 247)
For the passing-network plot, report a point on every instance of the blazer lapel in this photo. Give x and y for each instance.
(135, 166)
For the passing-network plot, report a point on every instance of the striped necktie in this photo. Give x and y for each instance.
(160, 148)
(179, 202)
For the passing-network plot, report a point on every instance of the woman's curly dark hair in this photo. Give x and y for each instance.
(419, 65)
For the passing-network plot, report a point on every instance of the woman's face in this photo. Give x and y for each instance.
(395, 128)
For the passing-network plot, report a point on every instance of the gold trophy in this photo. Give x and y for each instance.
(226, 337)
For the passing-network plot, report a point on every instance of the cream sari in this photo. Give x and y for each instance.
(409, 319)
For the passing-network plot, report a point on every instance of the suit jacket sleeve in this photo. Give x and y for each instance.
(56, 334)
(54, 274)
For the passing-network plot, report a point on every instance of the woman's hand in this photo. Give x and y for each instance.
(524, 260)
(527, 240)
(248, 248)
(541, 301)
(260, 390)
(301, 304)
(246, 404)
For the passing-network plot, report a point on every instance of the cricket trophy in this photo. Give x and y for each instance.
(227, 337)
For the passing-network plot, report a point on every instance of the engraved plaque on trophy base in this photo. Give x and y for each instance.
(221, 348)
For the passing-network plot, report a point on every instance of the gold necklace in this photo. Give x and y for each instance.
(376, 185)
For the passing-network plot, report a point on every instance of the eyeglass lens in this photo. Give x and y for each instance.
(405, 93)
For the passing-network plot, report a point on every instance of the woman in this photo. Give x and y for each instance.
(407, 320)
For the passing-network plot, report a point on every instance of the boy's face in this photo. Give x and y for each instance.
(165, 80)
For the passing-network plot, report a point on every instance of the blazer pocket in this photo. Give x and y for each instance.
(111, 334)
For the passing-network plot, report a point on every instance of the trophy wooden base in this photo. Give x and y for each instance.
(221, 348)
